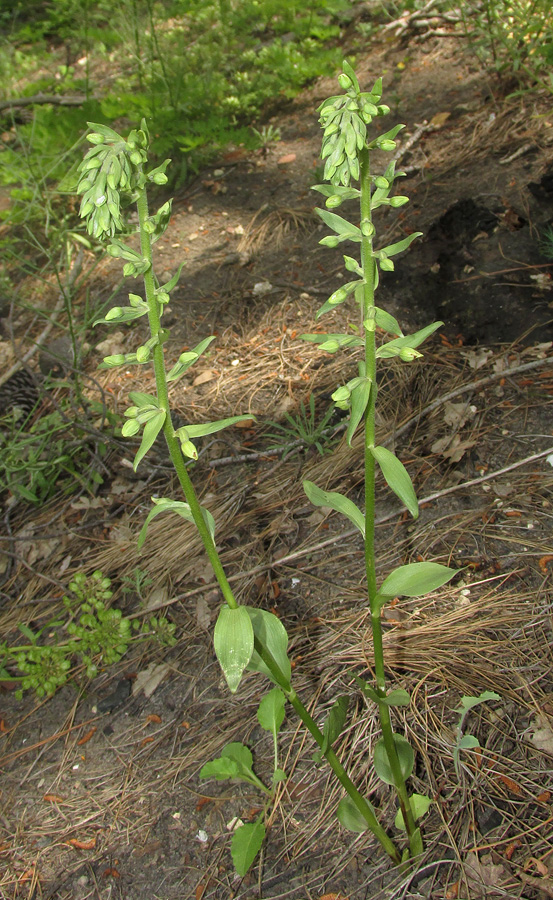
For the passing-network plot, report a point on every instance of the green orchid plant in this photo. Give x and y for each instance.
(247, 639)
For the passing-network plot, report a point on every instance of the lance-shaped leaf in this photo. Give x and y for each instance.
(177, 506)
(246, 844)
(195, 431)
(397, 478)
(387, 136)
(151, 430)
(393, 249)
(409, 341)
(335, 501)
(271, 633)
(173, 281)
(333, 726)
(333, 342)
(416, 579)
(359, 400)
(233, 642)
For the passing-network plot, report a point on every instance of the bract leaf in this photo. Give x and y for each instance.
(246, 844)
(392, 249)
(196, 431)
(350, 817)
(392, 348)
(182, 509)
(359, 400)
(387, 322)
(344, 229)
(188, 358)
(151, 430)
(416, 579)
(233, 642)
(419, 807)
(335, 501)
(270, 631)
(169, 285)
(382, 763)
(124, 314)
(140, 399)
(326, 341)
(270, 714)
(397, 478)
(331, 190)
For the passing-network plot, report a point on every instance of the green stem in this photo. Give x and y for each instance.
(360, 802)
(163, 398)
(368, 263)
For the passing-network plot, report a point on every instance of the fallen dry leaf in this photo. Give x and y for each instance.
(287, 158)
(204, 377)
(542, 736)
(149, 680)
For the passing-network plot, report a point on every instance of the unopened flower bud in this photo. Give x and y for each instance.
(344, 81)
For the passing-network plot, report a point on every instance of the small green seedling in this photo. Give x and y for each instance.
(468, 741)
(93, 635)
(236, 762)
(303, 429)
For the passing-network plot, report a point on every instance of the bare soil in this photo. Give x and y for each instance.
(100, 795)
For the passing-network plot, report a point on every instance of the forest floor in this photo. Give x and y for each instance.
(100, 793)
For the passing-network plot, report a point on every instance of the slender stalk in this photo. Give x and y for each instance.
(163, 397)
(368, 265)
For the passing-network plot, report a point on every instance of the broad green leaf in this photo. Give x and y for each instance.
(335, 501)
(470, 702)
(416, 579)
(468, 742)
(279, 775)
(359, 399)
(221, 769)
(151, 430)
(246, 844)
(350, 817)
(397, 478)
(382, 763)
(241, 754)
(419, 807)
(196, 431)
(271, 633)
(233, 642)
(270, 714)
(392, 249)
(178, 506)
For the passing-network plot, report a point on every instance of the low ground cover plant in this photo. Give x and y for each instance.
(248, 639)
